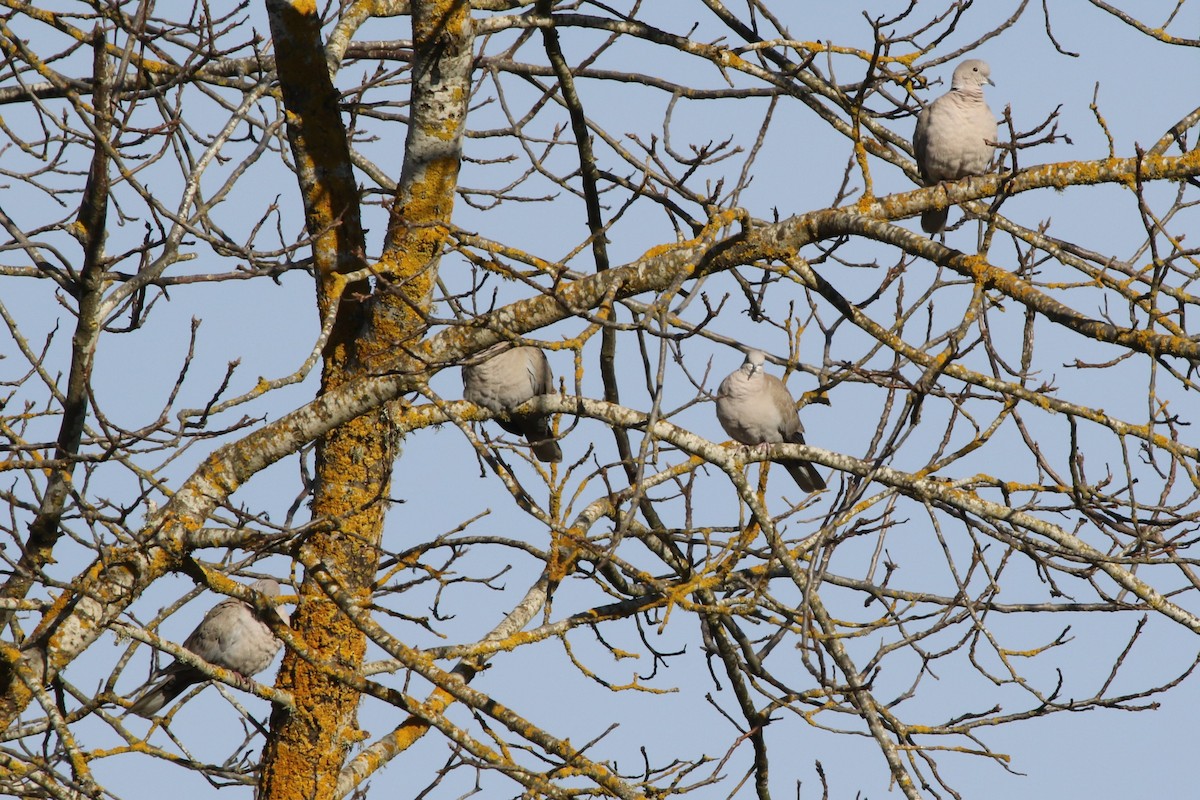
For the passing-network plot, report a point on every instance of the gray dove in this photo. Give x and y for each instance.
(507, 379)
(757, 409)
(229, 636)
(952, 135)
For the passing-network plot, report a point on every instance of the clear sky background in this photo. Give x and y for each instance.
(1141, 88)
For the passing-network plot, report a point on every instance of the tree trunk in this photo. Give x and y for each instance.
(354, 462)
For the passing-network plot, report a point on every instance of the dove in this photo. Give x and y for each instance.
(229, 636)
(953, 134)
(757, 409)
(505, 380)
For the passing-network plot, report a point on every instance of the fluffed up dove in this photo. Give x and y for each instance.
(507, 379)
(755, 408)
(229, 636)
(952, 135)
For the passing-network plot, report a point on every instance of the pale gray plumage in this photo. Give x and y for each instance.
(755, 408)
(229, 636)
(507, 379)
(952, 135)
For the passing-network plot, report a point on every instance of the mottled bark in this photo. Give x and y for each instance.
(354, 461)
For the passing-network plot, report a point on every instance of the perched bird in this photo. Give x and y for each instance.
(229, 636)
(951, 140)
(505, 380)
(757, 409)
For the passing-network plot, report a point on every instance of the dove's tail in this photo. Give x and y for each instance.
(805, 475)
(935, 221)
(537, 432)
(161, 693)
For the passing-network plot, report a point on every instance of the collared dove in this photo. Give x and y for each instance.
(506, 380)
(952, 135)
(229, 636)
(755, 408)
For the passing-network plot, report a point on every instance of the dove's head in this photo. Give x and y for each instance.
(754, 362)
(971, 75)
(270, 587)
(267, 586)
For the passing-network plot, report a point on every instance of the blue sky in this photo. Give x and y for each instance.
(1141, 89)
